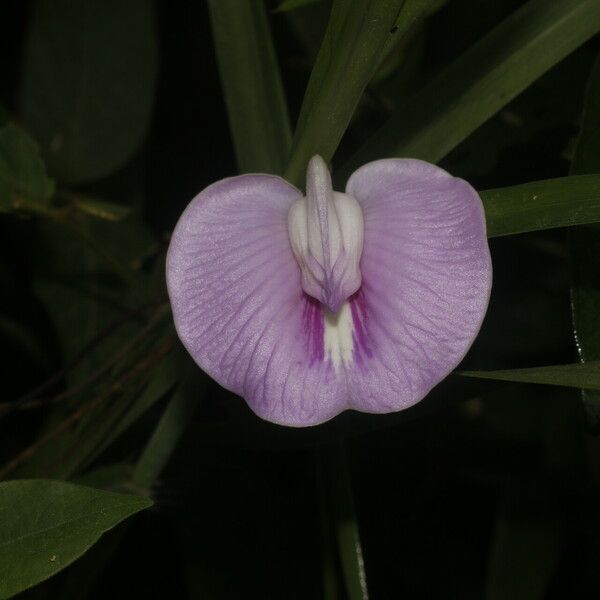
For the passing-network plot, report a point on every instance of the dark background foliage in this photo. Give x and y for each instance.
(483, 490)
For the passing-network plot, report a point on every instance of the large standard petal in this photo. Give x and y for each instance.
(239, 307)
(426, 274)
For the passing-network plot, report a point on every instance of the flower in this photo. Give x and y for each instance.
(310, 305)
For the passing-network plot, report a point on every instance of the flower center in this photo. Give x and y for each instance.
(326, 231)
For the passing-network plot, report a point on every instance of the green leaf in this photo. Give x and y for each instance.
(585, 247)
(254, 95)
(351, 50)
(483, 80)
(88, 84)
(46, 525)
(288, 5)
(584, 375)
(23, 180)
(542, 205)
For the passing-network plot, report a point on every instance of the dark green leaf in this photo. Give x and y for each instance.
(584, 375)
(542, 205)
(483, 80)
(585, 246)
(350, 53)
(256, 104)
(88, 85)
(23, 180)
(46, 525)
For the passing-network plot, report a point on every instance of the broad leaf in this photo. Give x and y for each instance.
(23, 180)
(352, 48)
(585, 246)
(45, 525)
(542, 205)
(256, 104)
(483, 80)
(88, 83)
(584, 375)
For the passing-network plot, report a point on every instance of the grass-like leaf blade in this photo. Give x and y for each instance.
(578, 375)
(542, 205)
(352, 47)
(483, 80)
(45, 525)
(256, 105)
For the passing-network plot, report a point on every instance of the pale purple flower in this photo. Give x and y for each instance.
(310, 305)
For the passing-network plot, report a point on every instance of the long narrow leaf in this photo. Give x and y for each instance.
(352, 47)
(584, 375)
(483, 80)
(256, 105)
(542, 205)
